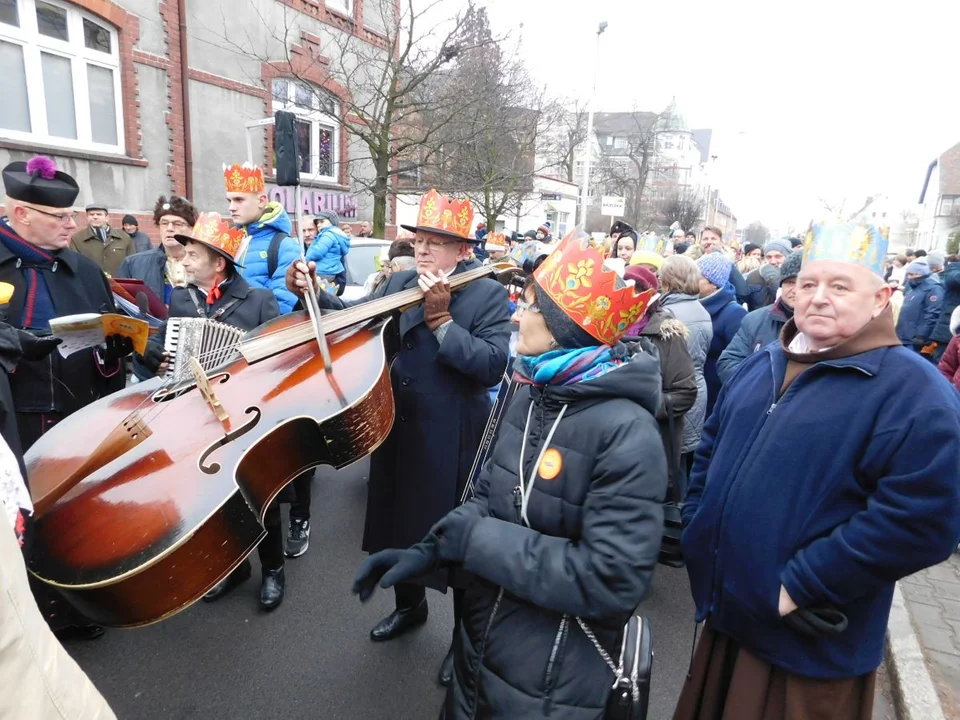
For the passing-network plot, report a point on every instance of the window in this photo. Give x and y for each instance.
(318, 127)
(619, 142)
(609, 140)
(950, 205)
(578, 168)
(343, 6)
(61, 76)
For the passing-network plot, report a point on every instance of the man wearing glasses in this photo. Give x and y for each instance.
(452, 348)
(161, 269)
(51, 280)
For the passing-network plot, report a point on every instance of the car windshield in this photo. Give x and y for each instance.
(361, 262)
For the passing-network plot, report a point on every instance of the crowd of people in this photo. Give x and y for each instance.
(753, 395)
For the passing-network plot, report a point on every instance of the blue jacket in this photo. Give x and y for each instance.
(920, 310)
(328, 249)
(950, 279)
(837, 489)
(760, 327)
(726, 315)
(254, 259)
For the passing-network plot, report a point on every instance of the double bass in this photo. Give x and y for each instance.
(150, 496)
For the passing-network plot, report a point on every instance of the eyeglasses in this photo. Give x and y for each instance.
(62, 217)
(176, 224)
(523, 306)
(431, 245)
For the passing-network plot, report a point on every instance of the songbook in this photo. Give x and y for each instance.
(87, 330)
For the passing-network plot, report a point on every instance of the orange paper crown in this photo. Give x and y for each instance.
(575, 279)
(244, 178)
(444, 216)
(217, 234)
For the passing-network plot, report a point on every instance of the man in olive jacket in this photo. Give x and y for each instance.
(107, 246)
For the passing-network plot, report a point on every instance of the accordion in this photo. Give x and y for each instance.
(210, 342)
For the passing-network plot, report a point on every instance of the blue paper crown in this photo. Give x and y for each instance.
(853, 242)
(652, 243)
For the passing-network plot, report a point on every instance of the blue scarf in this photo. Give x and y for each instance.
(566, 367)
(38, 307)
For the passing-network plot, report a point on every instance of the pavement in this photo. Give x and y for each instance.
(932, 599)
(312, 656)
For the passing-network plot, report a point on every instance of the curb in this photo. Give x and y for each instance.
(913, 691)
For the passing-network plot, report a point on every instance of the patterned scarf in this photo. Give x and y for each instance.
(566, 367)
(38, 308)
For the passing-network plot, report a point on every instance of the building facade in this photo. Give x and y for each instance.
(940, 201)
(141, 98)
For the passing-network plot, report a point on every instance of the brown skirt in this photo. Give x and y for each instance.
(728, 682)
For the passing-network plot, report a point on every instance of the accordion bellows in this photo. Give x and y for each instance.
(212, 343)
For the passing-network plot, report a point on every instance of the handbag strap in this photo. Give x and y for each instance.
(618, 670)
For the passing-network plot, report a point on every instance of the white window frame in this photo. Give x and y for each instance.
(317, 117)
(949, 205)
(28, 37)
(344, 7)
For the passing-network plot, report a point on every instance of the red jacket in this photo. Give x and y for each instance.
(950, 362)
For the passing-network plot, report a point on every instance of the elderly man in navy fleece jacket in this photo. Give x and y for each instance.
(821, 480)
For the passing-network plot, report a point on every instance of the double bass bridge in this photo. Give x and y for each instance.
(206, 389)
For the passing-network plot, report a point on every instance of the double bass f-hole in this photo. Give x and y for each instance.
(214, 467)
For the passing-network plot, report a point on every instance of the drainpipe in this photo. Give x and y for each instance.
(185, 99)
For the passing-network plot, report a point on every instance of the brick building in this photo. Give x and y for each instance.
(137, 98)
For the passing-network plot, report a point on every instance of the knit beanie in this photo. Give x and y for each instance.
(129, 220)
(328, 215)
(643, 279)
(566, 332)
(918, 267)
(750, 247)
(715, 267)
(781, 246)
(935, 259)
(791, 266)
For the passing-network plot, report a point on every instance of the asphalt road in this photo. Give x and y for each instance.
(312, 656)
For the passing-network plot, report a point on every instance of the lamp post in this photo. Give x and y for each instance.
(584, 193)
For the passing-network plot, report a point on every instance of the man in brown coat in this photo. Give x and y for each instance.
(108, 247)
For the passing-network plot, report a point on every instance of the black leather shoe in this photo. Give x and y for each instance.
(271, 590)
(75, 632)
(240, 575)
(399, 621)
(445, 676)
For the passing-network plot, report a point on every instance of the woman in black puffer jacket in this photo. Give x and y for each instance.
(566, 519)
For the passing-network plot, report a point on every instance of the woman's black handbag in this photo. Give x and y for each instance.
(630, 694)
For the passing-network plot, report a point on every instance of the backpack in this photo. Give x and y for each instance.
(273, 252)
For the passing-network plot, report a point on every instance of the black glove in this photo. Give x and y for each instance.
(118, 346)
(918, 343)
(453, 534)
(152, 358)
(817, 621)
(37, 347)
(390, 567)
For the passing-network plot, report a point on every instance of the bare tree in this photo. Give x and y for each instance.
(387, 100)
(627, 170)
(685, 208)
(561, 147)
(756, 233)
(489, 151)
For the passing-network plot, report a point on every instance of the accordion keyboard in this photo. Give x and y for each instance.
(212, 343)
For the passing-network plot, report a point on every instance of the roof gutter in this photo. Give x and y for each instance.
(185, 99)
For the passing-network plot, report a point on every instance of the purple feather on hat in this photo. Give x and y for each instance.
(43, 165)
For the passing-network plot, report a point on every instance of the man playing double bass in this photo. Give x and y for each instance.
(218, 291)
(452, 348)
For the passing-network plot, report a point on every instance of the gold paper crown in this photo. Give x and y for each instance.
(854, 242)
(217, 234)
(244, 178)
(445, 216)
(575, 279)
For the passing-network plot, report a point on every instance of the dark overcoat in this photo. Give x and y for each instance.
(149, 266)
(58, 384)
(442, 406)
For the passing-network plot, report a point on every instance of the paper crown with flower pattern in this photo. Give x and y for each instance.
(590, 295)
(444, 216)
(854, 242)
(245, 178)
(217, 234)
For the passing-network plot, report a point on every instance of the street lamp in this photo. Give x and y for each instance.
(584, 194)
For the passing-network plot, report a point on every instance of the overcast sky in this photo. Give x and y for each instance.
(833, 99)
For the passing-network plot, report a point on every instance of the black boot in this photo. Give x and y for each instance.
(400, 621)
(77, 632)
(239, 575)
(271, 590)
(445, 676)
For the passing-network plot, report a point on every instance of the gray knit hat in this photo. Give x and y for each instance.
(791, 266)
(781, 246)
(328, 215)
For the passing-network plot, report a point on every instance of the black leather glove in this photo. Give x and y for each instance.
(817, 621)
(118, 346)
(152, 358)
(37, 347)
(918, 343)
(453, 534)
(390, 567)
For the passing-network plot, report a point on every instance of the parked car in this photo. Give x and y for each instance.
(361, 262)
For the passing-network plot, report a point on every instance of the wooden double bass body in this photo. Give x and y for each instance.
(165, 498)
